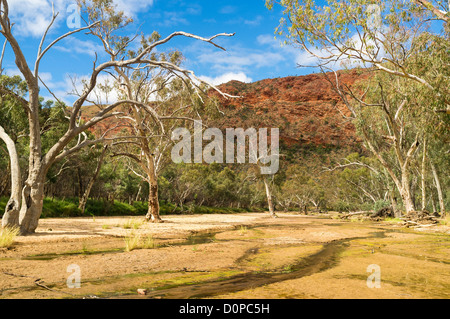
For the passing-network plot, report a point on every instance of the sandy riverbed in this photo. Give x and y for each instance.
(227, 256)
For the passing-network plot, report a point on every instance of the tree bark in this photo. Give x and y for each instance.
(11, 215)
(153, 197)
(84, 198)
(424, 172)
(405, 192)
(32, 203)
(439, 189)
(269, 199)
(33, 190)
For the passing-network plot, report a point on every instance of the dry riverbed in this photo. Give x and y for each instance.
(227, 256)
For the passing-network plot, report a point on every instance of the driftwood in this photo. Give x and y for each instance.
(384, 212)
(377, 216)
(420, 218)
(413, 219)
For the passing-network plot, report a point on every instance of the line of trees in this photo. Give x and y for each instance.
(400, 112)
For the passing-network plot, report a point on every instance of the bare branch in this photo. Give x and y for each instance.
(41, 54)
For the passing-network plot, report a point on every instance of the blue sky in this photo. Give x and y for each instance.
(252, 54)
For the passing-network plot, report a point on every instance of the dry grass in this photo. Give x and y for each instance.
(7, 236)
(133, 224)
(135, 241)
(445, 220)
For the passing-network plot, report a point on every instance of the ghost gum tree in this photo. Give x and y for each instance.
(12, 92)
(74, 139)
(161, 90)
(385, 37)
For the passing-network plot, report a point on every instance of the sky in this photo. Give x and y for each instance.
(252, 54)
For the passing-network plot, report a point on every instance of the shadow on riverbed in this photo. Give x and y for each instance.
(325, 259)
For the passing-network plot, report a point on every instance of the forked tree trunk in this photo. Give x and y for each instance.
(32, 204)
(269, 199)
(11, 215)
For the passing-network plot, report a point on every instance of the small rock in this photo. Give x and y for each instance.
(142, 291)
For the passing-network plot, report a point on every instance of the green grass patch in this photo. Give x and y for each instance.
(392, 220)
(68, 207)
(445, 221)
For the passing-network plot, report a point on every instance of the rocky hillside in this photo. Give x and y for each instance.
(305, 108)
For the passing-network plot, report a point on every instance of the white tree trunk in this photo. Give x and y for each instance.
(269, 198)
(424, 173)
(11, 215)
(153, 196)
(405, 192)
(439, 189)
(32, 203)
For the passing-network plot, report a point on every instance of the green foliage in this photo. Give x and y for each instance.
(59, 208)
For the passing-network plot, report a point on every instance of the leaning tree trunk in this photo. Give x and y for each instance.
(269, 199)
(11, 215)
(153, 197)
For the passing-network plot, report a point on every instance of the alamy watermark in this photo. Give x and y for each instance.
(74, 280)
(374, 280)
(237, 146)
(73, 20)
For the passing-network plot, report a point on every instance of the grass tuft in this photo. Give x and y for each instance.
(445, 220)
(7, 236)
(133, 224)
(135, 241)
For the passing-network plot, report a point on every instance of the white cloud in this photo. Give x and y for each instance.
(77, 46)
(228, 9)
(302, 57)
(132, 7)
(31, 17)
(227, 77)
(172, 19)
(255, 22)
(240, 59)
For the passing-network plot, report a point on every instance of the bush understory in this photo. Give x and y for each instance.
(68, 207)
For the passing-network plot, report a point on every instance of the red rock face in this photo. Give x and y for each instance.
(305, 108)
